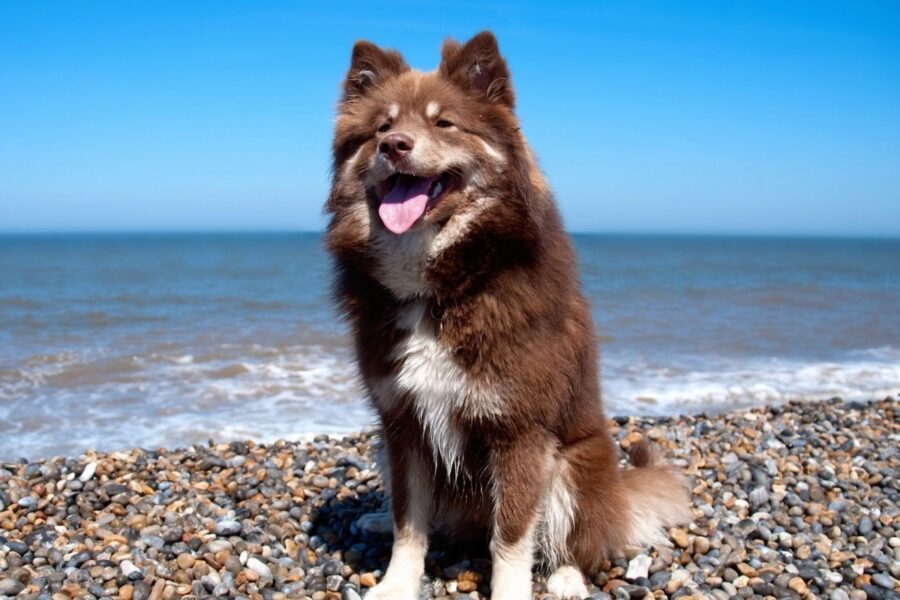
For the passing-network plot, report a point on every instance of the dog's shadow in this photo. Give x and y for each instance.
(359, 530)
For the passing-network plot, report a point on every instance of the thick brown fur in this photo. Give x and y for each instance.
(472, 338)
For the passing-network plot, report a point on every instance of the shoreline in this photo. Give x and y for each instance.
(796, 500)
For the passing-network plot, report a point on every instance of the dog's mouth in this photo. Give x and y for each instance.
(407, 198)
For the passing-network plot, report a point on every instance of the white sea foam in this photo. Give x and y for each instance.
(67, 403)
(638, 388)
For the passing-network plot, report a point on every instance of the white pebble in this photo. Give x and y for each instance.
(89, 470)
(127, 567)
(639, 566)
(259, 567)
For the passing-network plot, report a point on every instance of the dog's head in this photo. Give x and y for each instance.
(419, 150)
(418, 147)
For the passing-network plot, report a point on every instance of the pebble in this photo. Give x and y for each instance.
(88, 472)
(28, 502)
(796, 500)
(798, 585)
(865, 526)
(228, 527)
(259, 567)
(638, 567)
(10, 587)
(677, 580)
(348, 593)
(680, 537)
(185, 561)
(130, 571)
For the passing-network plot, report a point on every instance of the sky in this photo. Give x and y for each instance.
(760, 116)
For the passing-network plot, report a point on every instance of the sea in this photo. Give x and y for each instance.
(165, 340)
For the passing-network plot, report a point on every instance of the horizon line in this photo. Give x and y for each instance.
(611, 233)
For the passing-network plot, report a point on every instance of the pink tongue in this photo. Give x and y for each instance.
(405, 203)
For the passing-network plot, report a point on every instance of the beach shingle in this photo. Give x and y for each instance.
(796, 501)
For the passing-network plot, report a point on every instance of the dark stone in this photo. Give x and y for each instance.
(113, 489)
(17, 547)
(874, 592)
(79, 559)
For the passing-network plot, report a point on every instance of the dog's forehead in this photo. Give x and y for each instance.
(419, 92)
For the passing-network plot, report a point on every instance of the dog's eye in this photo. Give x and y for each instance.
(444, 123)
(384, 127)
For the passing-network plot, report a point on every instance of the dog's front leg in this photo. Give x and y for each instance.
(411, 499)
(520, 474)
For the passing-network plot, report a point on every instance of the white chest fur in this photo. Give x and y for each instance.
(442, 392)
(437, 385)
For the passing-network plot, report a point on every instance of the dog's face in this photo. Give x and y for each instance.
(417, 148)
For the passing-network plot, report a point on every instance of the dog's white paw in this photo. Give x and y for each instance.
(380, 522)
(567, 583)
(389, 591)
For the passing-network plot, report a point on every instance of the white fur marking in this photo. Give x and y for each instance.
(440, 388)
(394, 110)
(567, 583)
(512, 569)
(493, 153)
(432, 110)
(402, 579)
(558, 516)
(458, 225)
(436, 382)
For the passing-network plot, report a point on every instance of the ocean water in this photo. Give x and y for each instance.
(114, 341)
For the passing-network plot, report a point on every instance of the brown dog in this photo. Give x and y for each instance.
(473, 340)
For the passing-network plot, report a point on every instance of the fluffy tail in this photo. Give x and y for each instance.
(657, 497)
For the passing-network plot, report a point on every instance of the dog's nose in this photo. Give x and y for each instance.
(395, 146)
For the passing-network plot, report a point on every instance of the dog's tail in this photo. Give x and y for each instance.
(657, 497)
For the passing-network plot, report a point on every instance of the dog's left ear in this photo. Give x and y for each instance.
(477, 65)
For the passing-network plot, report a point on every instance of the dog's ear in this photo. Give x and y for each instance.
(369, 65)
(477, 65)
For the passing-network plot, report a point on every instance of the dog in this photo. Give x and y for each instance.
(473, 341)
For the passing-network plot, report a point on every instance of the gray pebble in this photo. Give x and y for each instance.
(659, 580)
(228, 527)
(349, 593)
(865, 526)
(10, 587)
(27, 502)
(17, 547)
(884, 580)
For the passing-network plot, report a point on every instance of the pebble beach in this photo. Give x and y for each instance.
(800, 500)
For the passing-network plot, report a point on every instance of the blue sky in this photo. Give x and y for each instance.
(712, 117)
